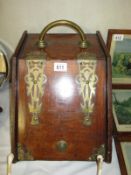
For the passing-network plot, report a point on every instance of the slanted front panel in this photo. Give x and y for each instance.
(61, 110)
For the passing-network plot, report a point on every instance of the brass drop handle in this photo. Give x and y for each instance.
(42, 43)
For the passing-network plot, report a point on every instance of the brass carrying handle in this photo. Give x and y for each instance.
(42, 43)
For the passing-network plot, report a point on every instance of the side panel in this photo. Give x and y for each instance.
(109, 119)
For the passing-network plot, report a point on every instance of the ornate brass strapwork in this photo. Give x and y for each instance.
(87, 80)
(99, 151)
(23, 153)
(35, 83)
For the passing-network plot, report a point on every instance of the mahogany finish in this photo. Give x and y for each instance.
(61, 117)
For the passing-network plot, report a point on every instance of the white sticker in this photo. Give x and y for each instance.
(118, 37)
(60, 67)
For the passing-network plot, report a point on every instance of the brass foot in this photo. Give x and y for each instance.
(9, 163)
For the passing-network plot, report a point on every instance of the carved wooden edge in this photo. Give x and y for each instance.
(108, 124)
(16, 53)
(14, 97)
(13, 109)
(20, 44)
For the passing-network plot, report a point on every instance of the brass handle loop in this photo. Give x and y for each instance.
(42, 43)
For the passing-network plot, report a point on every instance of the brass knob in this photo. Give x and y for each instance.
(42, 43)
(61, 145)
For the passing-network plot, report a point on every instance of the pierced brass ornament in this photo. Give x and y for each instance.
(87, 80)
(99, 151)
(23, 153)
(35, 84)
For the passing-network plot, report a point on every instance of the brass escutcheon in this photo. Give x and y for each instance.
(61, 145)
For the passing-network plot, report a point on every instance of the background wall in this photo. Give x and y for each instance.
(32, 15)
